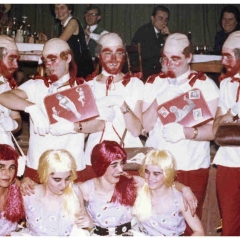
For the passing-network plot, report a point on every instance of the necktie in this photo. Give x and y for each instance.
(87, 36)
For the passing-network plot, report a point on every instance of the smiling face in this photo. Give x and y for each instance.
(7, 172)
(62, 12)
(58, 182)
(229, 22)
(160, 20)
(92, 17)
(112, 59)
(114, 171)
(154, 176)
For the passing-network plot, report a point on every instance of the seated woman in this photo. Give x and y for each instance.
(111, 195)
(229, 22)
(11, 202)
(159, 206)
(56, 206)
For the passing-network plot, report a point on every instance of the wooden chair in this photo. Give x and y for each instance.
(134, 58)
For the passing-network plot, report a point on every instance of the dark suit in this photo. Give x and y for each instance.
(150, 49)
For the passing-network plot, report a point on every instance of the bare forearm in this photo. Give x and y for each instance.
(13, 101)
(133, 123)
(150, 116)
(91, 126)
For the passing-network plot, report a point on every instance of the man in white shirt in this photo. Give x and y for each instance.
(93, 31)
(9, 120)
(29, 97)
(190, 146)
(227, 158)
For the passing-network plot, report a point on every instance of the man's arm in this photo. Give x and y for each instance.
(15, 115)
(15, 99)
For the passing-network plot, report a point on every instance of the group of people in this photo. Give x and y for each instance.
(72, 183)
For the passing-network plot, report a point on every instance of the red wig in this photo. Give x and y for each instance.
(104, 153)
(13, 207)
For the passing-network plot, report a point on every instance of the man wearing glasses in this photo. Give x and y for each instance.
(93, 32)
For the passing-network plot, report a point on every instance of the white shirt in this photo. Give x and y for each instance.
(95, 36)
(189, 154)
(228, 156)
(74, 143)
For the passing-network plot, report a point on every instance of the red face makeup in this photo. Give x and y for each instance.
(112, 59)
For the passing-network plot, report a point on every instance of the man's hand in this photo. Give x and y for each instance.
(27, 186)
(8, 124)
(87, 32)
(228, 117)
(165, 30)
(62, 127)
(189, 199)
(106, 113)
(173, 132)
(40, 121)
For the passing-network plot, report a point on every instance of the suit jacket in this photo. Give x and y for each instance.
(151, 48)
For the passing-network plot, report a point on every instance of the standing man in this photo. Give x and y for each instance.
(9, 120)
(189, 145)
(93, 32)
(29, 97)
(152, 36)
(228, 158)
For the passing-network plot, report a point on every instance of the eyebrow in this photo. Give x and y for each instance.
(14, 56)
(51, 56)
(226, 54)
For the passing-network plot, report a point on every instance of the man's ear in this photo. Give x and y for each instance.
(152, 18)
(189, 59)
(69, 58)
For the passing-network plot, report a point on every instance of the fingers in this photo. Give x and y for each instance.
(27, 186)
(185, 204)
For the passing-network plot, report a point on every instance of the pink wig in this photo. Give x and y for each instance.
(13, 207)
(102, 155)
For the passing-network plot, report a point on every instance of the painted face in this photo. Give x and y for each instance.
(160, 20)
(7, 172)
(92, 17)
(62, 12)
(229, 22)
(9, 64)
(58, 182)
(114, 171)
(154, 176)
(54, 65)
(175, 62)
(112, 59)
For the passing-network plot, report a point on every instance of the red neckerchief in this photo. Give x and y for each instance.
(48, 81)
(196, 76)
(238, 91)
(12, 83)
(152, 77)
(109, 82)
(128, 76)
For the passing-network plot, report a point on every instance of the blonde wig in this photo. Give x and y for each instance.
(52, 161)
(142, 208)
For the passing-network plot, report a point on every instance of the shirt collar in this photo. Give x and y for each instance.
(68, 19)
(156, 31)
(92, 28)
(63, 79)
(2, 80)
(184, 76)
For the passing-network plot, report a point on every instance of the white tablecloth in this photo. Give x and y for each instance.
(29, 47)
(205, 58)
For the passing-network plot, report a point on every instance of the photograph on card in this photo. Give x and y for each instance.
(189, 109)
(74, 104)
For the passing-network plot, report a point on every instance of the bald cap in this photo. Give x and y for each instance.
(233, 40)
(176, 42)
(110, 39)
(55, 45)
(7, 43)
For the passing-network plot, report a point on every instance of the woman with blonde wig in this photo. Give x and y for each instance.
(56, 207)
(159, 207)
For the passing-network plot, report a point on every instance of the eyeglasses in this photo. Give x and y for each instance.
(91, 14)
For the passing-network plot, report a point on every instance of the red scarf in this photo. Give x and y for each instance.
(238, 91)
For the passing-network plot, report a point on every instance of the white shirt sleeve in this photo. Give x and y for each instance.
(96, 36)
